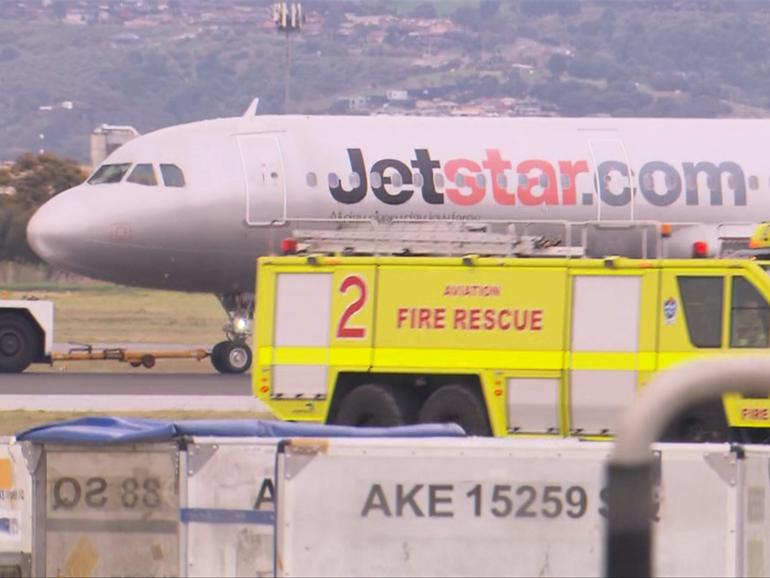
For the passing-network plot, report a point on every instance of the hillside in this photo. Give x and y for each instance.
(69, 66)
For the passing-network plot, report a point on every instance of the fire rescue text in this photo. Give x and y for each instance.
(467, 319)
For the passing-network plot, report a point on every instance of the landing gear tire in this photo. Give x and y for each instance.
(458, 404)
(231, 357)
(216, 356)
(374, 405)
(18, 343)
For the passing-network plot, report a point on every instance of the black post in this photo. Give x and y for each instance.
(629, 528)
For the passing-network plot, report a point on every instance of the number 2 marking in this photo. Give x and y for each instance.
(343, 331)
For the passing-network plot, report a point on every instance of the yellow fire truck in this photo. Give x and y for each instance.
(545, 346)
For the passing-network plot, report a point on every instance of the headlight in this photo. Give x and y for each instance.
(241, 325)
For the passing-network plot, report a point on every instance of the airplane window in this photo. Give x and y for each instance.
(311, 179)
(543, 180)
(396, 179)
(143, 174)
(172, 175)
(460, 180)
(523, 180)
(438, 180)
(334, 180)
(753, 183)
(355, 180)
(417, 180)
(109, 174)
(565, 181)
(731, 181)
(502, 180)
(481, 180)
(376, 179)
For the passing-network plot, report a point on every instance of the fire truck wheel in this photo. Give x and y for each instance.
(700, 430)
(457, 404)
(18, 343)
(705, 422)
(375, 405)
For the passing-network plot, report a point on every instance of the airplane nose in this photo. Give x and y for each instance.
(53, 231)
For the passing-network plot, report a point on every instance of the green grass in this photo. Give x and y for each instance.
(135, 315)
(53, 287)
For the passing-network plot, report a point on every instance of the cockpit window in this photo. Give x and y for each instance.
(143, 174)
(109, 174)
(172, 175)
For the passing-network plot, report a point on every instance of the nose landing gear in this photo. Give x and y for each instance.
(231, 357)
(234, 355)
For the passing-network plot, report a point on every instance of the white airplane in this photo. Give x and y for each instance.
(191, 207)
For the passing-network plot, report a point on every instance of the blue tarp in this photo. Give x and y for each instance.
(117, 430)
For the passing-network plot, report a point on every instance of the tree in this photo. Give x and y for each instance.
(60, 9)
(8, 53)
(557, 64)
(467, 16)
(424, 10)
(30, 181)
(488, 9)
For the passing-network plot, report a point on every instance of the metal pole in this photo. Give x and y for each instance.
(629, 529)
(287, 79)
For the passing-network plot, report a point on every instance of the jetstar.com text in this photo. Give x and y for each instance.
(469, 182)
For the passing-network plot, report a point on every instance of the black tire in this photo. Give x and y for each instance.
(698, 429)
(375, 405)
(750, 435)
(216, 356)
(19, 343)
(458, 404)
(232, 357)
(705, 423)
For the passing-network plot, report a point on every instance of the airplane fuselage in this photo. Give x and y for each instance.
(248, 181)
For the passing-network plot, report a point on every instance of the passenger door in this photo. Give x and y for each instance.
(265, 179)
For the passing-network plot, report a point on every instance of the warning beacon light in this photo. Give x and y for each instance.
(289, 246)
(700, 249)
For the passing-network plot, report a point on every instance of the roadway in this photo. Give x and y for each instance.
(127, 392)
